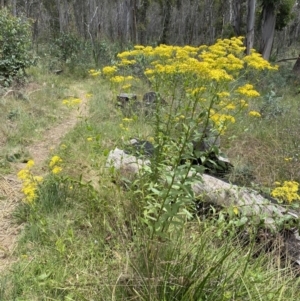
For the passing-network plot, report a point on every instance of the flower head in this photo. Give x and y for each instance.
(254, 114)
(54, 161)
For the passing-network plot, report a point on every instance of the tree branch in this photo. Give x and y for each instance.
(289, 59)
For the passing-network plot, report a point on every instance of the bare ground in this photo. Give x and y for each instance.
(10, 186)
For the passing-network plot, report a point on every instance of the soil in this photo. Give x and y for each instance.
(10, 186)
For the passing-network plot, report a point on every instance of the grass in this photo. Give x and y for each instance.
(27, 112)
(84, 238)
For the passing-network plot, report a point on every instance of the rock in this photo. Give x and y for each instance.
(124, 99)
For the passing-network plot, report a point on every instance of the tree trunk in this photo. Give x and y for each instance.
(60, 15)
(14, 7)
(250, 26)
(296, 68)
(267, 30)
(141, 21)
(166, 13)
(237, 16)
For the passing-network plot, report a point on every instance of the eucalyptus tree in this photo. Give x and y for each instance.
(275, 14)
(250, 25)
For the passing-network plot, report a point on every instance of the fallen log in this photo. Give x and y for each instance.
(248, 202)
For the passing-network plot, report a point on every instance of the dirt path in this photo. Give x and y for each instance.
(10, 186)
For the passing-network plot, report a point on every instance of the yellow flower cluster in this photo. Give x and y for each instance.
(54, 164)
(127, 119)
(255, 61)
(208, 74)
(94, 73)
(287, 192)
(29, 182)
(217, 62)
(221, 121)
(254, 114)
(71, 101)
(247, 90)
(121, 79)
(109, 70)
(126, 62)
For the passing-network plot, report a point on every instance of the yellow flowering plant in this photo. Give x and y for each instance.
(54, 164)
(205, 88)
(71, 101)
(30, 182)
(288, 191)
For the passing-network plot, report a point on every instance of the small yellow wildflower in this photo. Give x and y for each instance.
(29, 182)
(139, 47)
(126, 87)
(248, 90)
(124, 54)
(287, 192)
(23, 174)
(127, 119)
(71, 101)
(38, 179)
(126, 62)
(88, 95)
(56, 169)
(94, 72)
(235, 210)
(197, 91)
(223, 94)
(109, 70)
(117, 79)
(254, 114)
(30, 163)
(54, 161)
(230, 106)
(243, 103)
(123, 127)
(89, 139)
(288, 159)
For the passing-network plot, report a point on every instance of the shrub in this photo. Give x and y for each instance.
(205, 88)
(15, 43)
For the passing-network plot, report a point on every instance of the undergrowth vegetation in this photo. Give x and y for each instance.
(93, 233)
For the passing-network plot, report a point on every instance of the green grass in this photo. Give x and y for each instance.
(84, 238)
(26, 112)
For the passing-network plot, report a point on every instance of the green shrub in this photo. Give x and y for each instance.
(14, 47)
(70, 52)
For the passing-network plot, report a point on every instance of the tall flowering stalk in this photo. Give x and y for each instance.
(29, 182)
(205, 88)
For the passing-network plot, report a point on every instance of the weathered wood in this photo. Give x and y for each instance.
(288, 59)
(247, 201)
